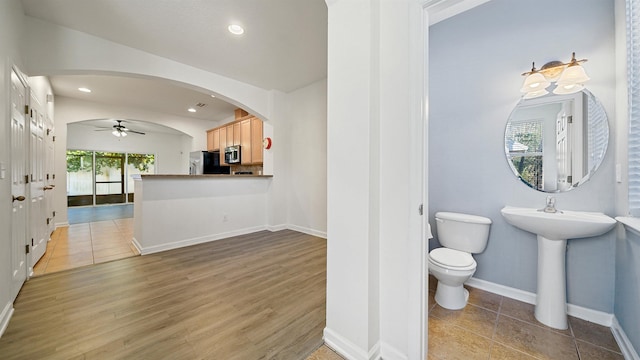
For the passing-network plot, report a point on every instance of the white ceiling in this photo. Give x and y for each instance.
(155, 95)
(141, 126)
(284, 46)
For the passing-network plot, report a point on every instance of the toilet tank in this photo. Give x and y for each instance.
(462, 231)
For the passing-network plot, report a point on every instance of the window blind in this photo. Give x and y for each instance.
(633, 75)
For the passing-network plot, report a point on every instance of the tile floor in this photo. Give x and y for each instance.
(87, 243)
(496, 327)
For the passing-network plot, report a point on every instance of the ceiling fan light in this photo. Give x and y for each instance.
(123, 134)
(115, 133)
(534, 82)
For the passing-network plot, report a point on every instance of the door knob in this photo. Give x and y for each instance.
(48, 187)
(19, 198)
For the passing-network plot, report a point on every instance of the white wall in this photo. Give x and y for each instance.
(374, 146)
(493, 44)
(172, 150)
(307, 149)
(173, 212)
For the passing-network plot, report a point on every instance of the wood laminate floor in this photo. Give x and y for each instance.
(257, 296)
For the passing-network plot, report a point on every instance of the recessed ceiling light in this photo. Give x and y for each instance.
(213, 96)
(236, 29)
(191, 110)
(84, 89)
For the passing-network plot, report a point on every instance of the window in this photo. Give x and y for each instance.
(96, 178)
(524, 143)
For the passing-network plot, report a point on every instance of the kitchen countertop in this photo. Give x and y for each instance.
(205, 176)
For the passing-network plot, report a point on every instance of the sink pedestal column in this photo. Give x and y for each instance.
(551, 299)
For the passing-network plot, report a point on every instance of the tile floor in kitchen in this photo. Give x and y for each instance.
(87, 243)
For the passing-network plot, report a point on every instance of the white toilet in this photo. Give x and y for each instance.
(461, 235)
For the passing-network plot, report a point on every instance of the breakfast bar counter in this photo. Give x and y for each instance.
(173, 211)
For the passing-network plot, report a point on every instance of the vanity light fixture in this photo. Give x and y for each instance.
(569, 78)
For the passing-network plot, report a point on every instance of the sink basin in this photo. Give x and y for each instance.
(553, 230)
(561, 225)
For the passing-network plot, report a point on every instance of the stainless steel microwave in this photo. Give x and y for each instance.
(232, 154)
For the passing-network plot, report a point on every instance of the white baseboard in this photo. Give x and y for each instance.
(513, 293)
(321, 234)
(388, 352)
(274, 228)
(594, 316)
(5, 316)
(628, 351)
(346, 348)
(135, 243)
(62, 224)
(195, 241)
(213, 237)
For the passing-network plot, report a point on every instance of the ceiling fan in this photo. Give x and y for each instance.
(120, 130)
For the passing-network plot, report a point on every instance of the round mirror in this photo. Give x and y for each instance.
(556, 142)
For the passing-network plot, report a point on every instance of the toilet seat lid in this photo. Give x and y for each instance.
(451, 258)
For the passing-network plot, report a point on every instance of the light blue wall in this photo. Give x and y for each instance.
(476, 59)
(627, 308)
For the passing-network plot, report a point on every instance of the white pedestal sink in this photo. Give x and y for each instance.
(553, 230)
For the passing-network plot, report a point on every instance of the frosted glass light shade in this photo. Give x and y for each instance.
(535, 94)
(573, 74)
(115, 133)
(534, 82)
(563, 89)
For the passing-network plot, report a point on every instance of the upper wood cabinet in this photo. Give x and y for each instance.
(245, 142)
(223, 142)
(216, 139)
(210, 140)
(229, 141)
(246, 132)
(236, 133)
(251, 141)
(213, 140)
(256, 141)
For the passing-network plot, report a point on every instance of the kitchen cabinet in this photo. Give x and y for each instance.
(210, 140)
(256, 141)
(246, 132)
(236, 133)
(223, 142)
(245, 142)
(251, 141)
(229, 141)
(213, 140)
(216, 139)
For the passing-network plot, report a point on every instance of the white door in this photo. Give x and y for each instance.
(18, 183)
(49, 175)
(38, 218)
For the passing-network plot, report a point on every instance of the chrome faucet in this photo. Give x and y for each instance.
(551, 205)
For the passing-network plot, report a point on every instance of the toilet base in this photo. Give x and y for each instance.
(451, 297)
